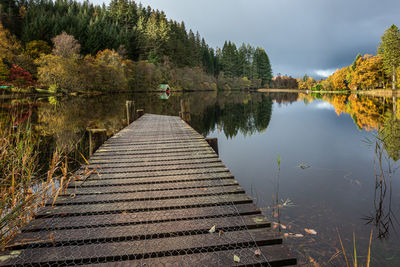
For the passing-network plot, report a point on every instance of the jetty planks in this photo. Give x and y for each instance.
(157, 195)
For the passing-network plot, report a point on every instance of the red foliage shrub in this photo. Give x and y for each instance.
(20, 76)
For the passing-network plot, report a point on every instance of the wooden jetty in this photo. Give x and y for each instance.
(162, 197)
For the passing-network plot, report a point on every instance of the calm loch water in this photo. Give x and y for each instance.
(318, 166)
(335, 176)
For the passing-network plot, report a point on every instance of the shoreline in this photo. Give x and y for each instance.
(374, 92)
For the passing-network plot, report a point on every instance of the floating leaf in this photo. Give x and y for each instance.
(259, 220)
(315, 264)
(310, 231)
(292, 235)
(236, 258)
(286, 203)
(257, 252)
(212, 230)
(275, 225)
(51, 237)
(303, 166)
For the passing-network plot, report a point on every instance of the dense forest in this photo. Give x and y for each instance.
(63, 44)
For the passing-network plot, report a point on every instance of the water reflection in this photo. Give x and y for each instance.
(324, 131)
(64, 121)
(341, 186)
(247, 115)
(382, 216)
(368, 113)
(390, 135)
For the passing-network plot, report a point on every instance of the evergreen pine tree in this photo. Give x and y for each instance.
(390, 50)
(353, 67)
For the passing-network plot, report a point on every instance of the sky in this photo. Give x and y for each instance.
(313, 37)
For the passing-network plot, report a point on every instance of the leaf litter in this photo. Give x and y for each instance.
(236, 258)
(212, 230)
(310, 231)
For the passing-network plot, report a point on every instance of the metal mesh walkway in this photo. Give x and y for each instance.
(163, 197)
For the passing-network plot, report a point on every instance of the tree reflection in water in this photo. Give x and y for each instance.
(382, 216)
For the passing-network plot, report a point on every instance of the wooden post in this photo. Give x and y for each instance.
(185, 110)
(96, 138)
(213, 142)
(139, 113)
(130, 111)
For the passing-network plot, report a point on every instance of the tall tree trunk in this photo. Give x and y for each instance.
(394, 79)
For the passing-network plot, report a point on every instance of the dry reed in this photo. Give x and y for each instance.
(22, 191)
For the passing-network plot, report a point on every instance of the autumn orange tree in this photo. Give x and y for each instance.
(306, 82)
(368, 73)
(284, 82)
(339, 79)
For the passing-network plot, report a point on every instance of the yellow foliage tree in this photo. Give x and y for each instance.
(306, 83)
(326, 85)
(111, 64)
(9, 46)
(57, 71)
(106, 71)
(339, 78)
(369, 73)
(36, 48)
